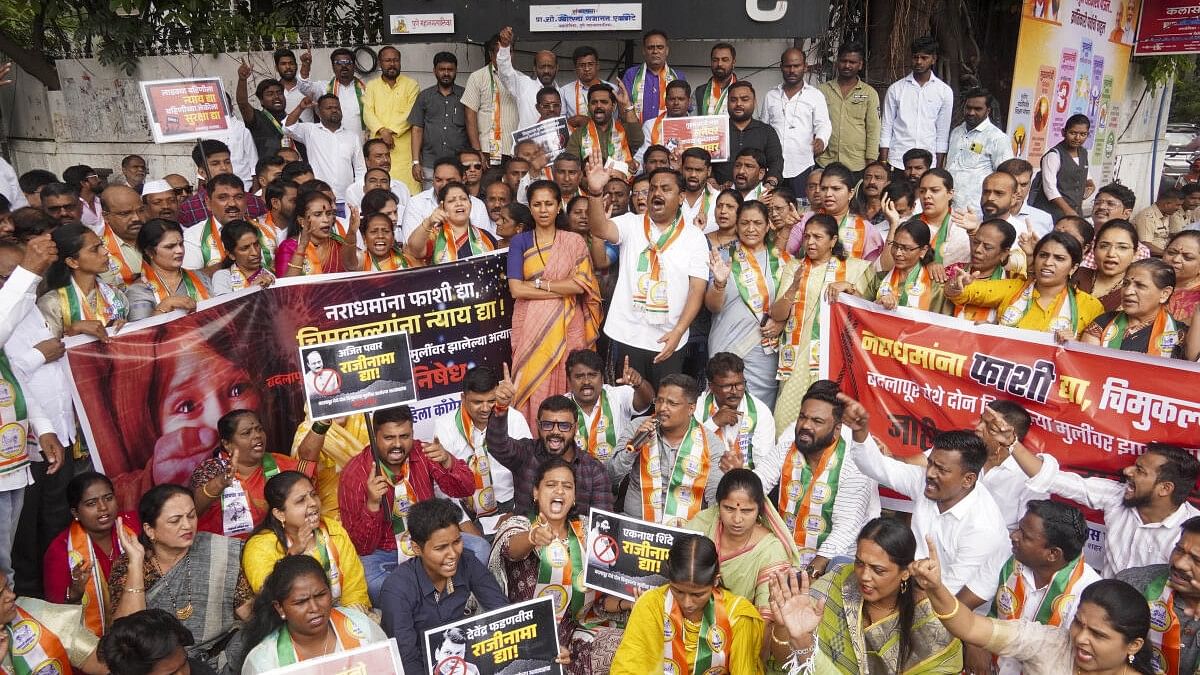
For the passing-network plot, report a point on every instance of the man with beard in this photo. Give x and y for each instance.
(203, 249)
(699, 200)
(514, 170)
(471, 162)
(1142, 513)
(617, 139)
(333, 150)
(740, 419)
(133, 172)
(286, 66)
(749, 172)
(266, 122)
(663, 272)
(976, 148)
(679, 95)
(1022, 171)
(123, 218)
(377, 155)
(439, 123)
(799, 115)
(604, 411)
(916, 162)
(556, 426)
(674, 472)
(951, 506)
(657, 157)
(386, 105)
(524, 88)
(61, 202)
(281, 198)
(85, 181)
(380, 484)
(345, 86)
(212, 158)
(997, 197)
(568, 171)
(712, 96)
(1173, 593)
(747, 132)
(160, 200)
(822, 496)
(853, 112)
(917, 111)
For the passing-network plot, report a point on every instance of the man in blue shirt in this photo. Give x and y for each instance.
(431, 589)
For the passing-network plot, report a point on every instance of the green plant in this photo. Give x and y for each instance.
(1159, 70)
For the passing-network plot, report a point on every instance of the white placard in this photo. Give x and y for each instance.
(421, 24)
(603, 17)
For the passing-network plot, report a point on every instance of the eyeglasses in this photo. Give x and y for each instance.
(547, 425)
(187, 190)
(343, 62)
(640, 193)
(472, 167)
(897, 246)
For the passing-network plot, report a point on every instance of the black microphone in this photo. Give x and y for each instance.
(642, 436)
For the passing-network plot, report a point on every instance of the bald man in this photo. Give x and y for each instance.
(524, 88)
(124, 214)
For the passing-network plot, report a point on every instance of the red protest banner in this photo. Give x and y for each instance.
(184, 109)
(1168, 27)
(1092, 408)
(710, 132)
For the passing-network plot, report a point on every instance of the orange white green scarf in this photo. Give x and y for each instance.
(713, 645)
(789, 353)
(806, 495)
(1164, 334)
(618, 142)
(673, 498)
(650, 295)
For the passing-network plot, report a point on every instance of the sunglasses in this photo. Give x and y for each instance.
(183, 190)
(472, 167)
(547, 425)
(342, 62)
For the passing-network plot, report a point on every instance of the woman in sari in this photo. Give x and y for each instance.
(194, 575)
(725, 212)
(165, 286)
(79, 302)
(909, 282)
(857, 235)
(312, 246)
(229, 485)
(1142, 324)
(243, 263)
(295, 619)
(752, 540)
(1116, 243)
(533, 559)
(447, 234)
(1046, 302)
(1182, 253)
(294, 526)
(873, 621)
(691, 624)
(557, 308)
(741, 323)
(823, 272)
(948, 238)
(382, 254)
(76, 566)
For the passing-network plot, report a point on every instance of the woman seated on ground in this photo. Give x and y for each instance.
(165, 285)
(909, 282)
(691, 624)
(150, 642)
(229, 485)
(197, 576)
(864, 615)
(1046, 302)
(37, 632)
(1142, 324)
(293, 526)
(530, 559)
(447, 234)
(243, 265)
(295, 619)
(752, 540)
(76, 566)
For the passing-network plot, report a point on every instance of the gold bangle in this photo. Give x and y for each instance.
(946, 617)
(204, 489)
(782, 643)
(135, 590)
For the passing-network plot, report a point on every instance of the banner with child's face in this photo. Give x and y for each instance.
(150, 398)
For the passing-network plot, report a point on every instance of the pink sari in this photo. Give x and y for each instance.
(1183, 303)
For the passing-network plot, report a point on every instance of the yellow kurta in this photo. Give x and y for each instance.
(387, 107)
(989, 293)
(344, 440)
(262, 551)
(641, 649)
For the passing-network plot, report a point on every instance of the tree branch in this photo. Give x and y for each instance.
(31, 62)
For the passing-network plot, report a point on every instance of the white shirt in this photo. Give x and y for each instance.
(1129, 542)
(620, 402)
(856, 500)
(91, 215)
(351, 110)
(10, 187)
(292, 98)
(1041, 221)
(969, 536)
(523, 87)
(243, 154)
(761, 443)
(574, 92)
(798, 121)
(446, 431)
(690, 211)
(684, 260)
(916, 116)
(423, 203)
(356, 190)
(335, 156)
(972, 155)
(17, 295)
(1008, 485)
(47, 383)
(193, 257)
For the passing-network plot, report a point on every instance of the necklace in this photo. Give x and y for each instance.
(324, 648)
(538, 247)
(182, 613)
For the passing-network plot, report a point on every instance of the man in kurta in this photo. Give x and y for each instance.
(386, 104)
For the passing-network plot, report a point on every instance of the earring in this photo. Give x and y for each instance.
(1131, 658)
(903, 585)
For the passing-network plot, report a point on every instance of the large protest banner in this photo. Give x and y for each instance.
(150, 398)
(918, 373)
(625, 554)
(520, 639)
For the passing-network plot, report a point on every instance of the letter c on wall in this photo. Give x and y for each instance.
(766, 16)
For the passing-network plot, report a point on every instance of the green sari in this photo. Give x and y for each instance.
(847, 643)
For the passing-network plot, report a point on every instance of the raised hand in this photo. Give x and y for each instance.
(1028, 239)
(927, 573)
(306, 103)
(40, 251)
(732, 459)
(377, 487)
(131, 545)
(954, 287)
(5, 70)
(622, 95)
(854, 416)
(437, 454)
(719, 268)
(506, 36)
(540, 534)
(967, 220)
(436, 219)
(306, 57)
(630, 376)
(793, 606)
(998, 426)
(244, 70)
(597, 176)
(506, 390)
(889, 210)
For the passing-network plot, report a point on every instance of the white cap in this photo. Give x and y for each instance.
(151, 187)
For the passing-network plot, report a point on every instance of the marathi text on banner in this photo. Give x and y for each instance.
(524, 634)
(710, 132)
(626, 554)
(184, 109)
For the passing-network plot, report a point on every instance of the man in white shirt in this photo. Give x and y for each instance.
(524, 88)
(243, 155)
(663, 272)
(84, 179)
(976, 148)
(949, 503)
(800, 115)
(575, 93)
(699, 199)
(1039, 220)
(202, 247)
(348, 88)
(1142, 514)
(445, 170)
(605, 411)
(286, 67)
(740, 419)
(377, 155)
(917, 110)
(333, 150)
(679, 96)
(10, 186)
